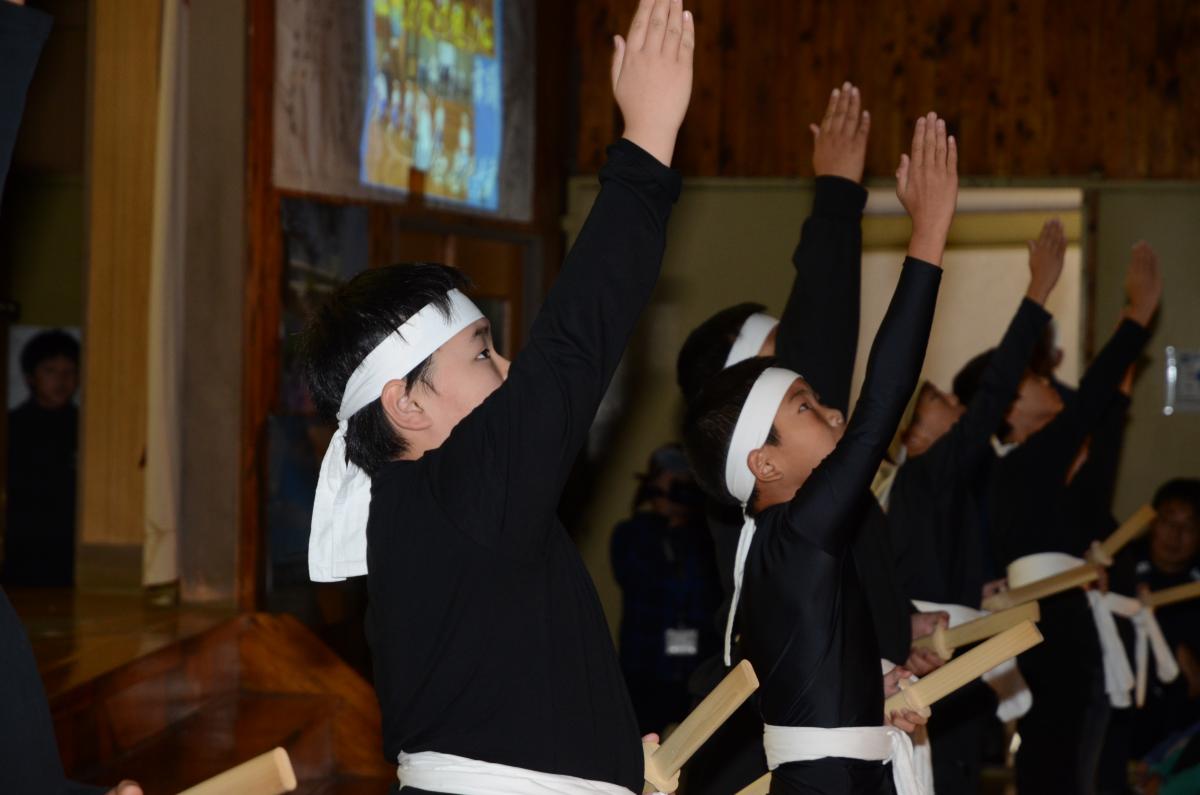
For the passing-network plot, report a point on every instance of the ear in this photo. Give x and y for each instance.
(401, 407)
(763, 464)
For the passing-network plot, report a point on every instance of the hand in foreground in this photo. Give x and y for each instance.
(126, 787)
(923, 661)
(652, 75)
(1143, 284)
(906, 720)
(840, 141)
(1046, 255)
(927, 185)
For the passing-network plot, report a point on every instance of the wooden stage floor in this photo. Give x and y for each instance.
(77, 636)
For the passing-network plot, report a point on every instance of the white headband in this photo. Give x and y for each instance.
(750, 433)
(750, 339)
(337, 545)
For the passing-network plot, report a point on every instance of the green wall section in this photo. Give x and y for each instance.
(1157, 447)
(42, 247)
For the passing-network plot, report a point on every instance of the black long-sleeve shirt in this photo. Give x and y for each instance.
(932, 516)
(488, 638)
(818, 338)
(1028, 485)
(806, 623)
(1029, 510)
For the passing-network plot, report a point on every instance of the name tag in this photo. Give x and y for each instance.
(683, 642)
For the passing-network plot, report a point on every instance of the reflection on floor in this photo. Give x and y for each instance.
(172, 696)
(77, 637)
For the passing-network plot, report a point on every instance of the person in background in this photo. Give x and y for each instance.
(43, 433)
(1169, 555)
(664, 562)
(29, 760)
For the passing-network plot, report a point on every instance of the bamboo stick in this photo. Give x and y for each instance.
(664, 762)
(1040, 589)
(945, 640)
(945, 680)
(967, 668)
(1130, 529)
(267, 774)
(1170, 596)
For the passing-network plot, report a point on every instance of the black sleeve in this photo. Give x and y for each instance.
(502, 468)
(23, 31)
(954, 458)
(821, 507)
(30, 761)
(1099, 472)
(818, 332)
(1055, 446)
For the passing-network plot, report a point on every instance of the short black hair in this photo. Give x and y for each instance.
(710, 420)
(348, 326)
(1182, 489)
(967, 382)
(47, 345)
(705, 350)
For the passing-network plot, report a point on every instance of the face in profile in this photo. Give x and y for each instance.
(935, 414)
(53, 382)
(1175, 536)
(464, 371)
(807, 431)
(1037, 403)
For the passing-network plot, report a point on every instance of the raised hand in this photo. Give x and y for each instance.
(927, 185)
(1046, 256)
(1143, 284)
(652, 75)
(840, 140)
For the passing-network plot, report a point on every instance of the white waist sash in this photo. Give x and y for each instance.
(1118, 676)
(435, 772)
(1148, 637)
(869, 743)
(1012, 694)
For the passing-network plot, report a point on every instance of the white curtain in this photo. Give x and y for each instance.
(163, 453)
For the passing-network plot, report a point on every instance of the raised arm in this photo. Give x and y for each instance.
(959, 452)
(818, 331)
(927, 185)
(526, 434)
(1057, 444)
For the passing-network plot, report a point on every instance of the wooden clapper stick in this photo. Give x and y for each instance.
(664, 762)
(1130, 529)
(920, 696)
(1169, 596)
(267, 774)
(945, 640)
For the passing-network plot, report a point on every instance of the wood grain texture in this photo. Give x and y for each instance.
(124, 84)
(214, 692)
(263, 298)
(1033, 88)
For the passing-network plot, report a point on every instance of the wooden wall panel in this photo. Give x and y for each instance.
(124, 85)
(1033, 88)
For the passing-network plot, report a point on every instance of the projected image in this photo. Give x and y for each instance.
(434, 113)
